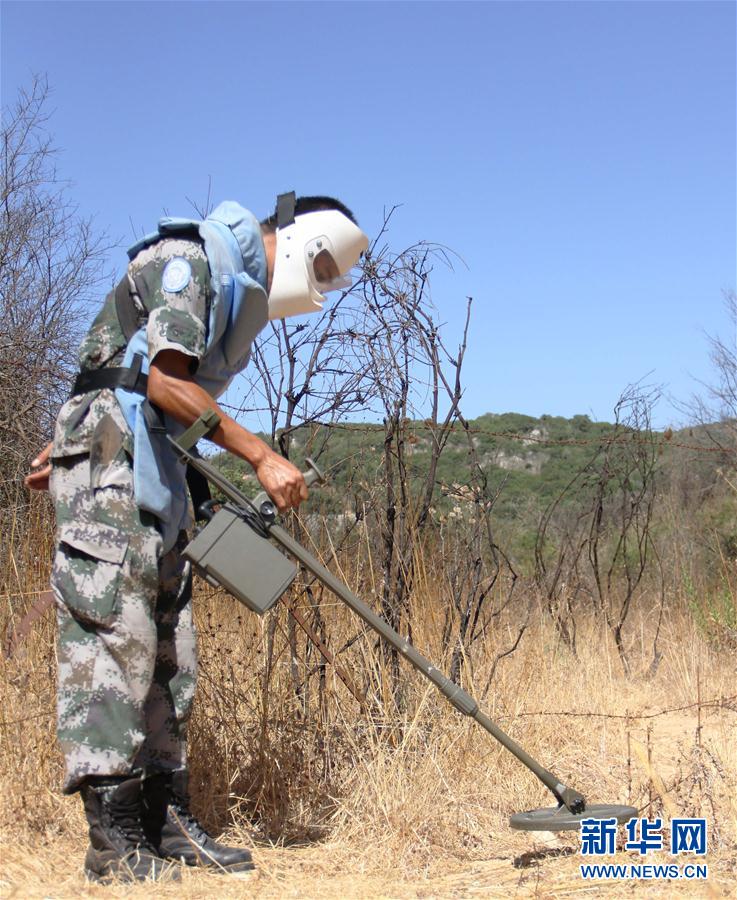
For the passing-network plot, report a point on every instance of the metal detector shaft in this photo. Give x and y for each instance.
(460, 699)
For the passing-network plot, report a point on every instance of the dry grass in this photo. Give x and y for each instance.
(339, 802)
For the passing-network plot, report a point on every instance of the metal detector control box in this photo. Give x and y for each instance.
(228, 553)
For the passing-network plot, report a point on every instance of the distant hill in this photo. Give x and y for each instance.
(534, 457)
(528, 460)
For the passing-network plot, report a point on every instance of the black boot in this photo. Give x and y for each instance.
(175, 832)
(118, 846)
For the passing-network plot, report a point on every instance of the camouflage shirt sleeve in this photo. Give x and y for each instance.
(177, 318)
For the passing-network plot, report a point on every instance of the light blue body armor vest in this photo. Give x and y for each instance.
(238, 311)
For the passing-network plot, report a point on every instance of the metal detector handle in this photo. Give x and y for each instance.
(313, 474)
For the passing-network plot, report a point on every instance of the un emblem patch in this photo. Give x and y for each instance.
(177, 275)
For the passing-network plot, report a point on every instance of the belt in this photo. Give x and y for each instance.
(130, 378)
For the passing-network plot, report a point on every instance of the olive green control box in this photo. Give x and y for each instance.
(227, 552)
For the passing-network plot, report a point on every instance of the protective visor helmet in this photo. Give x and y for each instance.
(308, 247)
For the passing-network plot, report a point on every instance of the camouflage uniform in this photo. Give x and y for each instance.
(126, 654)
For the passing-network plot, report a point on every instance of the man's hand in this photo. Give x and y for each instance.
(38, 480)
(282, 481)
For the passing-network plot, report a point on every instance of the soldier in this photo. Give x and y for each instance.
(167, 341)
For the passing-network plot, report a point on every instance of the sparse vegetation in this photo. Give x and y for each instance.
(577, 577)
(337, 802)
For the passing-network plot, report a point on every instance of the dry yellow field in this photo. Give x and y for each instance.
(336, 803)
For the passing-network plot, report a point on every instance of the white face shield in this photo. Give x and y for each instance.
(314, 254)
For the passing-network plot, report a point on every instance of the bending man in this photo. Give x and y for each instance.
(167, 341)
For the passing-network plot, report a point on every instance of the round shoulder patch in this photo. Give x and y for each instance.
(177, 275)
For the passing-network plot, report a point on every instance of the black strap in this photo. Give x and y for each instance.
(126, 308)
(130, 315)
(130, 378)
(199, 488)
(285, 204)
(199, 491)
(154, 418)
(113, 377)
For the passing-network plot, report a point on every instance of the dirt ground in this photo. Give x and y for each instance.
(505, 863)
(522, 865)
(522, 868)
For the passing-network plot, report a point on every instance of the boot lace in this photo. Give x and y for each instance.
(186, 818)
(126, 818)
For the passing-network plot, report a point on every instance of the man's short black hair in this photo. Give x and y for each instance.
(308, 205)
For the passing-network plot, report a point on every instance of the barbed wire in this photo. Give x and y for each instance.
(729, 703)
(715, 703)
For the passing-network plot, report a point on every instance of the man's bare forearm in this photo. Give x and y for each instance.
(171, 388)
(176, 394)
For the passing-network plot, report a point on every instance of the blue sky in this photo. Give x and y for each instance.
(579, 157)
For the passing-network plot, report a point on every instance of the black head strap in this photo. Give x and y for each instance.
(285, 204)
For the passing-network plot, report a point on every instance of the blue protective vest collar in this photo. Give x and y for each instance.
(247, 233)
(238, 311)
(240, 222)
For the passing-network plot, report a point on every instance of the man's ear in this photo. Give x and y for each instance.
(269, 239)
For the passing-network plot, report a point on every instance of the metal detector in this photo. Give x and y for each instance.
(235, 550)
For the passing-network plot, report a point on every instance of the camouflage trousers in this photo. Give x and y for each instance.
(126, 647)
